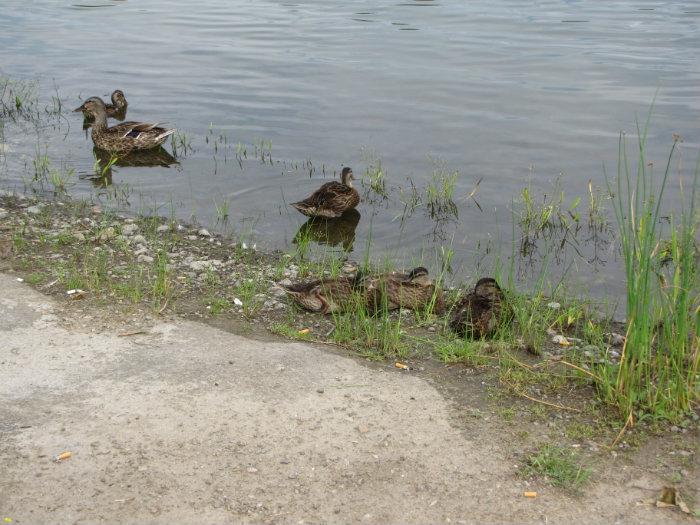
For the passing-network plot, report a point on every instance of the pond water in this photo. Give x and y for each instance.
(502, 95)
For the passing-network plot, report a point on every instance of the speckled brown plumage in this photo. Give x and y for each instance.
(117, 109)
(414, 290)
(124, 137)
(332, 199)
(325, 295)
(478, 314)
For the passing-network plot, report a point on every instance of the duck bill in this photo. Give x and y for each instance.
(79, 109)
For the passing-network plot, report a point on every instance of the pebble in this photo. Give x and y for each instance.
(285, 282)
(35, 210)
(162, 228)
(203, 232)
(139, 239)
(3, 213)
(277, 291)
(129, 229)
(560, 340)
(144, 258)
(200, 266)
(108, 234)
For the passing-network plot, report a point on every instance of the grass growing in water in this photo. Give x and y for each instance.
(658, 371)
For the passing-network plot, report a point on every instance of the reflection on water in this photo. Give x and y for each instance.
(105, 160)
(331, 232)
(489, 88)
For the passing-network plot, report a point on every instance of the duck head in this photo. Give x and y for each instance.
(347, 177)
(118, 98)
(93, 106)
(487, 287)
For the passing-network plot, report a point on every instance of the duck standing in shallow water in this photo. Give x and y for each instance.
(332, 199)
(414, 290)
(479, 313)
(124, 137)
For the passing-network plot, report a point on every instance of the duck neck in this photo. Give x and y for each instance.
(347, 180)
(100, 123)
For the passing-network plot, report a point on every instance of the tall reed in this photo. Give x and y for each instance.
(658, 371)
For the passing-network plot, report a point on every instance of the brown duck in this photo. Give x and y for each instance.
(332, 199)
(478, 314)
(414, 290)
(124, 137)
(117, 109)
(325, 295)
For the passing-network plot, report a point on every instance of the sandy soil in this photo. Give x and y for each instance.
(187, 423)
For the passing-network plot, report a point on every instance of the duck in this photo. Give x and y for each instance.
(124, 137)
(332, 199)
(117, 109)
(414, 290)
(325, 296)
(479, 313)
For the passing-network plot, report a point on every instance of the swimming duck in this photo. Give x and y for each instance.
(325, 295)
(414, 290)
(124, 137)
(332, 199)
(479, 313)
(117, 109)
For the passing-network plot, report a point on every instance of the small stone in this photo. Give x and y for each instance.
(162, 228)
(35, 210)
(674, 428)
(108, 234)
(144, 259)
(251, 470)
(560, 340)
(431, 329)
(129, 229)
(320, 390)
(203, 232)
(3, 213)
(591, 349)
(139, 239)
(285, 282)
(554, 305)
(277, 291)
(200, 266)
(192, 237)
(616, 339)
(78, 236)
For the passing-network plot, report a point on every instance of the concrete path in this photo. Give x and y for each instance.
(189, 424)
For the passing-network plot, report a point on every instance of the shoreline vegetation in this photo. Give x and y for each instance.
(560, 352)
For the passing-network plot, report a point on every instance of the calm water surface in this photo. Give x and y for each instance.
(510, 93)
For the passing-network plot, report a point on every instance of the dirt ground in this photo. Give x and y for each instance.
(186, 423)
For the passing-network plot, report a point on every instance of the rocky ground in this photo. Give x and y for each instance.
(171, 420)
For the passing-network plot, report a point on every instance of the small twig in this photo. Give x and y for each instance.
(561, 407)
(126, 334)
(582, 370)
(164, 307)
(629, 422)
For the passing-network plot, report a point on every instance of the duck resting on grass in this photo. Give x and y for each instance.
(478, 314)
(332, 199)
(124, 137)
(414, 290)
(325, 296)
